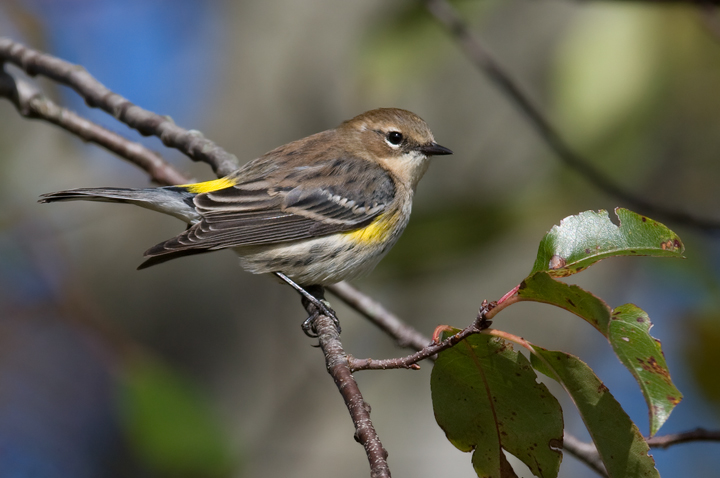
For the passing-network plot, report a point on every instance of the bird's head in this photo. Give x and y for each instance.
(398, 139)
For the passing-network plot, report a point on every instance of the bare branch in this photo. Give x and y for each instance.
(484, 60)
(698, 434)
(402, 332)
(585, 452)
(336, 362)
(405, 335)
(31, 103)
(434, 348)
(96, 95)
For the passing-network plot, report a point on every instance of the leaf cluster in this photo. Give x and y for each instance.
(486, 396)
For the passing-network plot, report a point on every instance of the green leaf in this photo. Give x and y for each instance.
(627, 328)
(618, 440)
(582, 240)
(540, 287)
(169, 426)
(630, 337)
(486, 398)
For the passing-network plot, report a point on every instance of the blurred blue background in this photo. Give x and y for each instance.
(196, 368)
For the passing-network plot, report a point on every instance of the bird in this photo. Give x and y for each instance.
(319, 210)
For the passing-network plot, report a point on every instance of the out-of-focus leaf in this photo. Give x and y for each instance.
(704, 354)
(444, 235)
(540, 287)
(629, 335)
(405, 29)
(618, 440)
(170, 427)
(486, 398)
(609, 69)
(586, 238)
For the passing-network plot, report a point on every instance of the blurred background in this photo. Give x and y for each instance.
(198, 369)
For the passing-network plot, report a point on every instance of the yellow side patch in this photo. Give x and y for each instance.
(376, 232)
(209, 186)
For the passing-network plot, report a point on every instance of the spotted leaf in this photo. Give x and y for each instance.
(586, 238)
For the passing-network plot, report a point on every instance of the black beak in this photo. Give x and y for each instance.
(434, 149)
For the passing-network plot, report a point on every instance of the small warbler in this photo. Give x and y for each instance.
(319, 210)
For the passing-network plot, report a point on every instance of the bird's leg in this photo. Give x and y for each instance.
(316, 304)
(313, 299)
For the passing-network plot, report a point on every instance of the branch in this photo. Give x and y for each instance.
(585, 452)
(401, 331)
(405, 335)
(698, 434)
(484, 60)
(32, 104)
(336, 362)
(96, 95)
(479, 324)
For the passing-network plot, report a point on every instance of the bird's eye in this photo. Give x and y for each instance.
(394, 138)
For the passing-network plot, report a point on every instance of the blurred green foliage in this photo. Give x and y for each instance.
(170, 426)
(635, 86)
(703, 354)
(406, 41)
(610, 73)
(437, 239)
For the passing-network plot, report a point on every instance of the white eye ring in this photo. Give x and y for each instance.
(394, 139)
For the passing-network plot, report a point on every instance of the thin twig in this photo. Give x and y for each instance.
(698, 434)
(96, 95)
(479, 324)
(400, 331)
(405, 335)
(32, 104)
(410, 361)
(483, 59)
(585, 452)
(337, 366)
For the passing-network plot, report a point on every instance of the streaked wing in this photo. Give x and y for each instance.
(299, 203)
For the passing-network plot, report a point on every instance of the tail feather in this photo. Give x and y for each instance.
(92, 194)
(175, 201)
(178, 246)
(153, 260)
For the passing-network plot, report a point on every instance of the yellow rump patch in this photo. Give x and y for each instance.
(377, 231)
(209, 186)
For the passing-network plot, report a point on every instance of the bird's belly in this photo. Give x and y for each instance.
(320, 261)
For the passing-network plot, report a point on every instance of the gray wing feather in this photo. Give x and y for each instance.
(301, 203)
